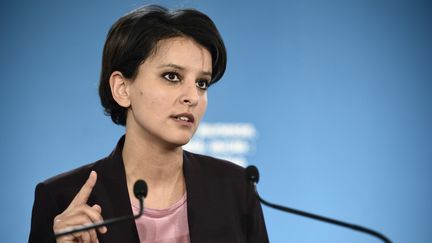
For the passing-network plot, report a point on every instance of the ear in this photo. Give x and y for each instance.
(120, 89)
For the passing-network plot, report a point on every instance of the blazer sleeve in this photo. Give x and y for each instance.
(44, 211)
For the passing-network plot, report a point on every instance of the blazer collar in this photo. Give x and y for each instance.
(115, 197)
(195, 200)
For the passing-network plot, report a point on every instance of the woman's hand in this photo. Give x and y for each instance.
(78, 213)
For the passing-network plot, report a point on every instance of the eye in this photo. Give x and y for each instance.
(202, 84)
(172, 76)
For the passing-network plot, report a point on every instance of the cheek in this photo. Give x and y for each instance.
(203, 104)
(149, 98)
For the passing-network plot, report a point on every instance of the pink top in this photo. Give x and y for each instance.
(168, 225)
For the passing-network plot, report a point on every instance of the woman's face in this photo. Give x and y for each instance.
(168, 97)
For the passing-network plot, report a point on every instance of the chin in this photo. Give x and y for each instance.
(179, 138)
(180, 141)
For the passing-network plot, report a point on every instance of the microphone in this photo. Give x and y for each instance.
(140, 192)
(252, 176)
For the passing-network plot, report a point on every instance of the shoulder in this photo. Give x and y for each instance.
(73, 176)
(213, 169)
(64, 186)
(208, 163)
(105, 167)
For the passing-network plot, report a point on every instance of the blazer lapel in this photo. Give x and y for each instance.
(193, 190)
(112, 194)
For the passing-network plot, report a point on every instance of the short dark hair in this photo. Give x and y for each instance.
(134, 37)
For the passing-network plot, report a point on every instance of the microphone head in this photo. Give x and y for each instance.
(140, 189)
(252, 174)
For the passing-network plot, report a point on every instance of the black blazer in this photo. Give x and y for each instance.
(222, 206)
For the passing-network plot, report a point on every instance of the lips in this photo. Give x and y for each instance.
(184, 117)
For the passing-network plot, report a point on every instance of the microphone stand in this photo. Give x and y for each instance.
(103, 223)
(140, 191)
(252, 176)
(325, 219)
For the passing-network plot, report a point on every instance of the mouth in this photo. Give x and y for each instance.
(184, 117)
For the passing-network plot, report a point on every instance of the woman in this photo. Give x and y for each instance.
(156, 68)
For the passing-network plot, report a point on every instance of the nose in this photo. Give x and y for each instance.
(190, 95)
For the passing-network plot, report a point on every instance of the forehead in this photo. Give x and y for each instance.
(181, 50)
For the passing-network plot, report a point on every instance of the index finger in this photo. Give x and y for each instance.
(82, 196)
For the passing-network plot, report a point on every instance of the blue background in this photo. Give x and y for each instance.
(339, 92)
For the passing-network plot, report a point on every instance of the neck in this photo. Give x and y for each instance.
(159, 166)
(149, 161)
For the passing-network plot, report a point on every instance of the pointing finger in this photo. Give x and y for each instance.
(85, 191)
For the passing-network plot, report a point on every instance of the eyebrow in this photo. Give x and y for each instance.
(180, 68)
